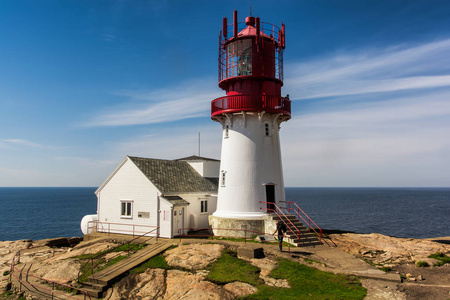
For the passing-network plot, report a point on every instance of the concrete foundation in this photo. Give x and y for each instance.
(231, 227)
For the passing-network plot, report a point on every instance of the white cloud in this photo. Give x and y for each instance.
(20, 142)
(187, 100)
(385, 70)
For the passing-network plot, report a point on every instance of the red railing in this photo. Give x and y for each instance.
(280, 214)
(297, 210)
(51, 292)
(100, 255)
(107, 227)
(269, 30)
(251, 102)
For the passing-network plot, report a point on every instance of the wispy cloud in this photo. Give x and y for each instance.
(20, 142)
(188, 100)
(373, 71)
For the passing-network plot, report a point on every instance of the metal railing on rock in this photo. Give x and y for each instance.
(91, 268)
(248, 234)
(52, 292)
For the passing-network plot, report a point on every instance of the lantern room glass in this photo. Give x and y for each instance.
(239, 58)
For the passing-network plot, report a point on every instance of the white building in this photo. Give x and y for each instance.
(146, 195)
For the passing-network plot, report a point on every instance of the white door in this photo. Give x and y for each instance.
(178, 221)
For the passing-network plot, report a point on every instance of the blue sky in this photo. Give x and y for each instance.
(85, 83)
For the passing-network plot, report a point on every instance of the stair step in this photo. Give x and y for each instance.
(93, 292)
(109, 274)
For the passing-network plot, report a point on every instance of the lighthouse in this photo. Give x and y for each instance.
(251, 74)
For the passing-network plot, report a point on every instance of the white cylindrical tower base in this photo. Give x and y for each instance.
(250, 168)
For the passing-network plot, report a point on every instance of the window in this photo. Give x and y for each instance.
(226, 131)
(222, 178)
(239, 58)
(266, 129)
(126, 209)
(204, 206)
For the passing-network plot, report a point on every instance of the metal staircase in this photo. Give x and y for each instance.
(297, 234)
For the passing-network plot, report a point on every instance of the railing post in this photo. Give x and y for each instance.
(245, 236)
(109, 228)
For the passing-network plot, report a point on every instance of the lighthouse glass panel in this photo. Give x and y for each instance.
(239, 58)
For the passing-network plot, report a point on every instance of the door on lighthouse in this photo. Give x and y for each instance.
(270, 198)
(178, 220)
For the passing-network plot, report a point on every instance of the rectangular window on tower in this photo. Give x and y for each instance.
(222, 178)
(227, 127)
(266, 129)
(126, 209)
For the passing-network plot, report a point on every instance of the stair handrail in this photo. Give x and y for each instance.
(278, 215)
(306, 222)
(54, 283)
(81, 273)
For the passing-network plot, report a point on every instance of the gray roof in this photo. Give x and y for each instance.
(176, 200)
(173, 176)
(195, 157)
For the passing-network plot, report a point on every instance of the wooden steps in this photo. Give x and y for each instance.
(99, 282)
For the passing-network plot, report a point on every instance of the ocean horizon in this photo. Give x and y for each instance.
(410, 212)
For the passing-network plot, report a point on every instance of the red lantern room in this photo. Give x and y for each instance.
(251, 68)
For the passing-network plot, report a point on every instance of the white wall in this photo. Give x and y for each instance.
(194, 217)
(206, 168)
(250, 159)
(128, 184)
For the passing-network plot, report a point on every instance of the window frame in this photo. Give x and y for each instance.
(204, 206)
(223, 175)
(126, 212)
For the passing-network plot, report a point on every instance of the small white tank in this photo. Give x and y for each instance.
(87, 227)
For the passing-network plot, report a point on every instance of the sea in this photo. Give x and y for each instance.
(40, 213)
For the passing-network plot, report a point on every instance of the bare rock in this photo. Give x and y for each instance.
(91, 249)
(382, 249)
(193, 256)
(183, 285)
(240, 289)
(61, 271)
(266, 265)
(147, 285)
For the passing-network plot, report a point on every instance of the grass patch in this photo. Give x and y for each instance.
(386, 269)
(444, 259)
(310, 283)
(306, 282)
(422, 264)
(228, 268)
(156, 262)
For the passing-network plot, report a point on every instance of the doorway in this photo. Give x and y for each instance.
(178, 221)
(270, 198)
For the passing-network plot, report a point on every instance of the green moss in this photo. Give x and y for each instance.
(309, 283)
(228, 268)
(422, 264)
(444, 259)
(386, 269)
(156, 262)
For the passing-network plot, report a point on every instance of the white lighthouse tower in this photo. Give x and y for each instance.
(251, 176)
